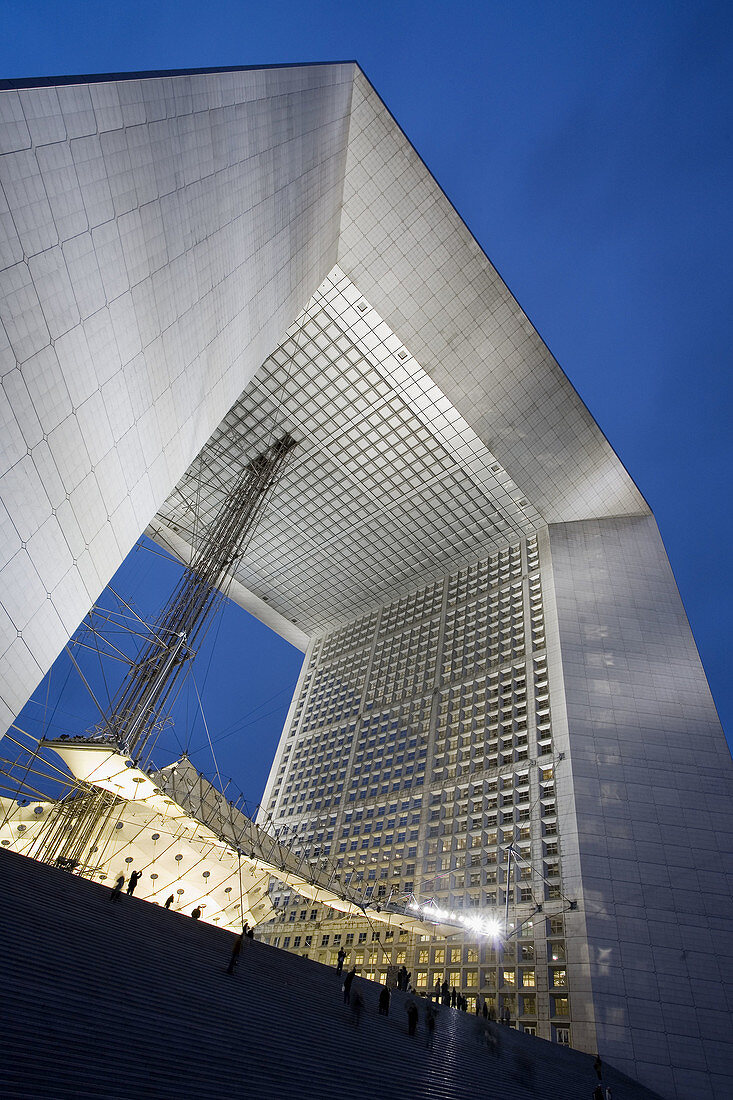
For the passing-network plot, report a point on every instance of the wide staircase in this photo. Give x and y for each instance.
(126, 1000)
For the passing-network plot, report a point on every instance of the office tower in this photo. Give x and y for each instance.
(192, 261)
(420, 749)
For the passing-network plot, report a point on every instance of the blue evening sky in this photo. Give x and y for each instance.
(589, 148)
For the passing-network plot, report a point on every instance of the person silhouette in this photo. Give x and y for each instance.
(430, 1026)
(348, 980)
(237, 950)
(383, 1003)
(134, 879)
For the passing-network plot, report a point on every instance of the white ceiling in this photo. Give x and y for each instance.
(388, 488)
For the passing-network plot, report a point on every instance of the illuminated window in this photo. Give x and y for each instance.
(439, 956)
(508, 977)
(558, 979)
(528, 979)
(455, 955)
(562, 1006)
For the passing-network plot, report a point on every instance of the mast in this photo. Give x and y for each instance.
(150, 682)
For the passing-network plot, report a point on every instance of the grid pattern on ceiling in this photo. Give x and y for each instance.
(388, 488)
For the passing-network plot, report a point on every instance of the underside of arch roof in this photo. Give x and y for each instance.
(188, 259)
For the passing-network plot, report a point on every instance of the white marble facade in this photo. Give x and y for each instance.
(158, 236)
(648, 835)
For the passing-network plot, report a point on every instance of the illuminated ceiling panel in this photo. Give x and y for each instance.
(388, 488)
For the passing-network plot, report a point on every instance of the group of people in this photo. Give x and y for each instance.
(132, 882)
(487, 1032)
(443, 994)
(403, 978)
(449, 996)
(131, 885)
(354, 999)
(413, 1016)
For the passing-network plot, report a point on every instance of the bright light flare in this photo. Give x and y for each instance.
(483, 926)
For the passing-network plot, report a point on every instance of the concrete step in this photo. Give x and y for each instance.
(128, 1000)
